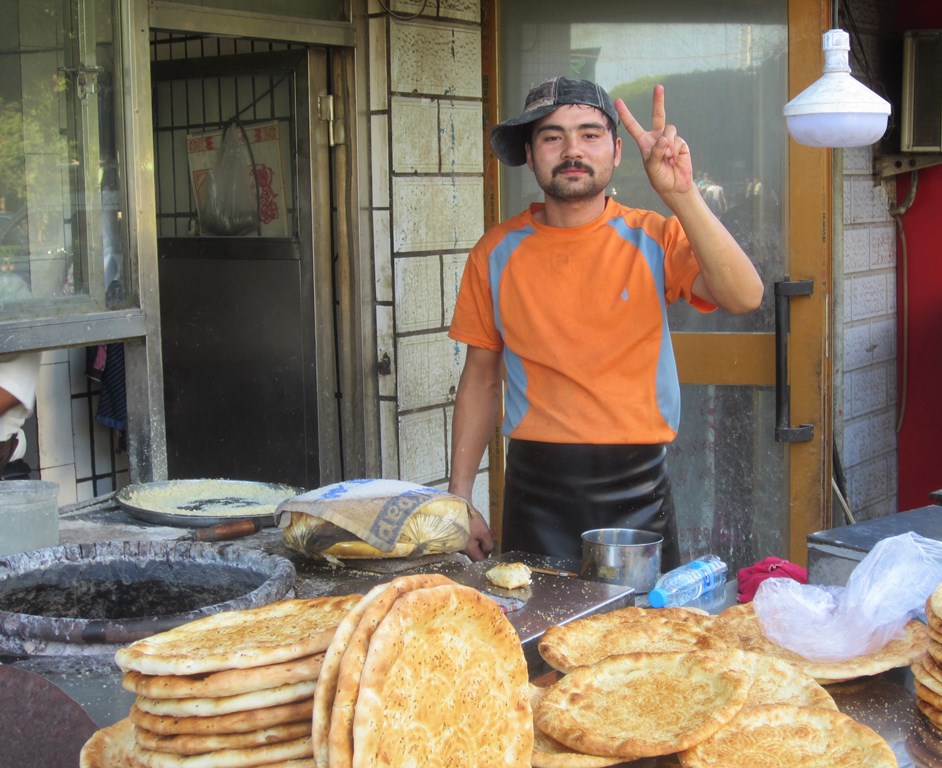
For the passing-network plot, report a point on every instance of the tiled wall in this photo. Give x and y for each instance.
(427, 185)
(864, 360)
(865, 398)
(76, 452)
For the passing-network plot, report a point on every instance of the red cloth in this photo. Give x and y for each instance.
(772, 567)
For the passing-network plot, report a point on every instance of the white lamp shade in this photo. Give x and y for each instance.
(836, 110)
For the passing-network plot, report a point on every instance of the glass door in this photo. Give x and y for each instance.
(726, 72)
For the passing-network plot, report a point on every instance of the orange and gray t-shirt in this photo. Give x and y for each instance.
(580, 314)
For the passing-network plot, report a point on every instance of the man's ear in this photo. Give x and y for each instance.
(529, 151)
(617, 158)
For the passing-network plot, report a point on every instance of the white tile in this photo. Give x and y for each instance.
(379, 160)
(389, 438)
(382, 256)
(64, 475)
(461, 137)
(55, 419)
(431, 213)
(414, 125)
(418, 293)
(466, 10)
(379, 85)
(452, 270)
(422, 446)
(429, 366)
(432, 59)
(81, 443)
(386, 350)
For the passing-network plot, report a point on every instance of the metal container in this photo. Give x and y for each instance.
(624, 556)
(29, 515)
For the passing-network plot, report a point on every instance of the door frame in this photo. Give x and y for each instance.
(350, 305)
(707, 358)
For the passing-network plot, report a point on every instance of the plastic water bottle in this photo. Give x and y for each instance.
(686, 583)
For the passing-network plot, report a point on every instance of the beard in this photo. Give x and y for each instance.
(566, 188)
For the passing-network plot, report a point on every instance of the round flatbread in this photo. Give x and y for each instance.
(799, 737)
(626, 630)
(549, 753)
(739, 626)
(227, 758)
(327, 683)
(275, 633)
(236, 722)
(226, 683)
(775, 681)
(444, 683)
(195, 744)
(923, 675)
(111, 747)
(241, 702)
(927, 695)
(934, 604)
(645, 704)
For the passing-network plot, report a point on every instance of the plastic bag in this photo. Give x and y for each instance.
(228, 193)
(889, 587)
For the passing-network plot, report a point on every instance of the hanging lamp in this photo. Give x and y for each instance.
(836, 110)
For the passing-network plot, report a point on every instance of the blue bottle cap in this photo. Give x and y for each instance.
(657, 598)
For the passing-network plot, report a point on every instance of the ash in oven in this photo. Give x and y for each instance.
(124, 590)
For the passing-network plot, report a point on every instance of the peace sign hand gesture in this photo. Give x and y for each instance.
(665, 155)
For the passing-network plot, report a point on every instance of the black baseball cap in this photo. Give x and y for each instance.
(509, 137)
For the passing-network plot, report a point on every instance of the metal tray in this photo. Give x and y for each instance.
(203, 502)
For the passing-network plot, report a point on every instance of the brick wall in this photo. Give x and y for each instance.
(427, 206)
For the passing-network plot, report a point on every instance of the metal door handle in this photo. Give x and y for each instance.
(784, 433)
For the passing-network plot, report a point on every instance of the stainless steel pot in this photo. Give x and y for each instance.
(624, 556)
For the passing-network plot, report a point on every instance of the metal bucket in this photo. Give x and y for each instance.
(624, 556)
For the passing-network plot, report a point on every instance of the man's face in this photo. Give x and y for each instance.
(572, 154)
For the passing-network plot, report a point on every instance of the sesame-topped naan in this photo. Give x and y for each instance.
(234, 722)
(444, 684)
(645, 704)
(739, 626)
(229, 682)
(549, 753)
(281, 631)
(775, 681)
(784, 736)
(223, 705)
(110, 747)
(625, 630)
(196, 744)
(265, 754)
(350, 642)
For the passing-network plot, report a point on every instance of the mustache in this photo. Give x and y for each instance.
(569, 165)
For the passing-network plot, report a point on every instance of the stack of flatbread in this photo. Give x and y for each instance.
(927, 669)
(423, 672)
(228, 690)
(640, 683)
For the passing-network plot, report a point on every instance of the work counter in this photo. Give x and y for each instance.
(885, 702)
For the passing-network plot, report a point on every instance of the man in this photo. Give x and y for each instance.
(570, 298)
(18, 375)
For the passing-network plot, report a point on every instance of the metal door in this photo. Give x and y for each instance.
(246, 319)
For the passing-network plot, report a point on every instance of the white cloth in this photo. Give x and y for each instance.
(19, 373)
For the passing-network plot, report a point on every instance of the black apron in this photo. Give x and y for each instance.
(553, 492)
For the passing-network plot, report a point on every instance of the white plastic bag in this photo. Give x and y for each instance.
(888, 588)
(229, 193)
